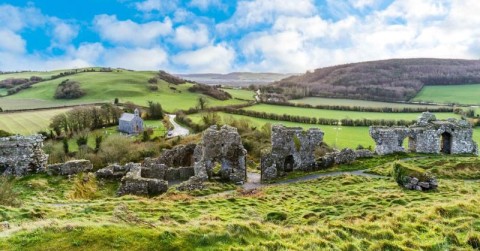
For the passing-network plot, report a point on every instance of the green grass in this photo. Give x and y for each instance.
(3, 92)
(333, 213)
(351, 102)
(28, 122)
(241, 94)
(28, 74)
(106, 86)
(458, 94)
(332, 114)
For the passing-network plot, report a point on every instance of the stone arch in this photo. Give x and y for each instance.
(446, 142)
(288, 163)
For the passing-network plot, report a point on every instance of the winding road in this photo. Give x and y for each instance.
(177, 130)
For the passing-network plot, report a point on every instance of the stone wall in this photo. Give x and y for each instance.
(20, 155)
(134, 183)
(223, 146)
(292, 149)
(428, 135)
(70, 167)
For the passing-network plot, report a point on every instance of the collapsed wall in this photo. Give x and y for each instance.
(292, 149)
(428, 135)
(21, 155)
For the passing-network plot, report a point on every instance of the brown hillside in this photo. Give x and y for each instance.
(386, 80)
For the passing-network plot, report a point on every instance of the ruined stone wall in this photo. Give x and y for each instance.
(292, 149)
(223, 146)
(389, 140)
(20, 155)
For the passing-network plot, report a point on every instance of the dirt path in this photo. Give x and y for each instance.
(177, 130)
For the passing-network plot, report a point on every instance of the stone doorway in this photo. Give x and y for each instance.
(412, 145)
(288, 164)
(446, 143)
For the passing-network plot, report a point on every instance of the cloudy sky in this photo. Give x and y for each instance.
(226, 35)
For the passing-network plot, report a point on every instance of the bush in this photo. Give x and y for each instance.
(8, 196)
(153, 88)
(69, 90)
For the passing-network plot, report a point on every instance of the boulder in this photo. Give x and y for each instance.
(346, 156)
(413, 178)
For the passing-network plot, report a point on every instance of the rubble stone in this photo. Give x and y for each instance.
(70, 167)
(134, 183)
(21, 155)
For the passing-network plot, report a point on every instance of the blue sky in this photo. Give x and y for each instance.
(199, 36)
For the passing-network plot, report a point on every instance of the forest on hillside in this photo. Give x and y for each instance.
(386, 80)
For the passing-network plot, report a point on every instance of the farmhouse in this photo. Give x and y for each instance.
(131, 123)
(428, 135)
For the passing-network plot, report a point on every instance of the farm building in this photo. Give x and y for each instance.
(131, 123)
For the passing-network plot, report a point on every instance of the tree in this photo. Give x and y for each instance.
(155, 110)
(115, 101)
(65, 145)
(68, 90)
(202, 103)
(98, 142)
(1, 110)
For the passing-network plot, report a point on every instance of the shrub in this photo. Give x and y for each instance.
(153, 87)
(69, 90)
(8, 196)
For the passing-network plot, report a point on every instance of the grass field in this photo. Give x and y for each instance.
(28, 122)
(458, 94)
(3, 92)
(332, 114)
(28, 74)
(331, 213)
(351, 102)
(106, 86)
(241, 94)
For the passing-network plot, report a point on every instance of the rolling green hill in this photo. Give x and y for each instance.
(457, 94)
(105, 87)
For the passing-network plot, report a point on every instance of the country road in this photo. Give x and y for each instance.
(177, 130)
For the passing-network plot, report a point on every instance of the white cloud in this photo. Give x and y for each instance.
(214, 58)
(136, 58)
(188, 37)
(205, 4)
(156, 5)
(15, 18)
(62, 32)
(11, 42)
(131, 33)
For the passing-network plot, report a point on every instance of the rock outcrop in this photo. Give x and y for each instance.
(428, 135)
(413, 178)
(222, 146)
(20, 155)
(70, 167)
(292, 149)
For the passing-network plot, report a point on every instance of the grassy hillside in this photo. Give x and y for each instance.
(330, 213)
(28, 74)
(385, 80)
(28, 122)
(353, 102)
(241, 94)
(331, 114)
(457, 94)
(105, 87)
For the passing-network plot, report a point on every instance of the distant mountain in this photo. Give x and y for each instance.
(235, 78)
(386, 80)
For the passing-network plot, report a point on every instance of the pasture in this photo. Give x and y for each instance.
(333, 114)
(352, 102)
(241, 94)
(29, 122)
(106, 86)
(457, 94)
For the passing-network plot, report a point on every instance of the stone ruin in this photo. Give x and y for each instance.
(21, 155)
(428, 135)
(70, 168)
(191, 163)
(223, 146)
(292, 149)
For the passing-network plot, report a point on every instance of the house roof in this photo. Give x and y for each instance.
(127, 117)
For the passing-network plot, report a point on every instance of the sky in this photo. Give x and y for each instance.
(220, 36)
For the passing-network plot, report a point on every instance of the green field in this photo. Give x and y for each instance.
(3, 92)
(105, 87)
(333, 114)
(28, 74)
(351, 102)
(458, 94)
(241, 94)
(28, 122)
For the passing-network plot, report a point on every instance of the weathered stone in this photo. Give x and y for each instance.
(179, 156)
(70, 167)
(194, 183)
(326, 161)
(363, 153)
(346, 156)
(113, 172)
(20, 155)
(269, 173)
(223, 146)
(292, 149)
(412, 177)
(134, 183)
(426, 136)
(424, 185)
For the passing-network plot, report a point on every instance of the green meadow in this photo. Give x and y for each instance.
(241, 94)
(333, 114)
(352, 102)
(458, 94)
(28, 122)
(106, 86)
(331, 213)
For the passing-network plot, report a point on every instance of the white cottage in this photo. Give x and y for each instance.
(131, 123)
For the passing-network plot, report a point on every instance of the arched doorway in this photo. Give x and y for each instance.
(288, 164)
(446, 143)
